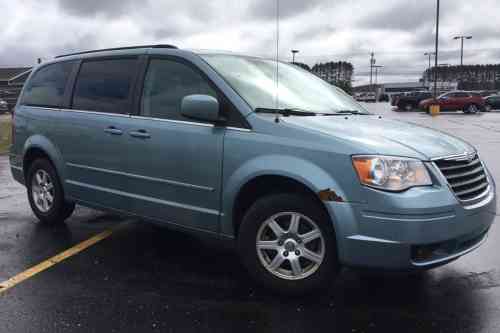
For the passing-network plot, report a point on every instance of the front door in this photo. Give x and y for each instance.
(174, 163)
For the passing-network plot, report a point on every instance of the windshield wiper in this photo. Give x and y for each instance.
(286, 112)
(340, 112)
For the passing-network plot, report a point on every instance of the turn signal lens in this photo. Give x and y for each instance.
(391, 173)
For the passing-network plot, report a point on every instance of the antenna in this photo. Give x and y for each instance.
(276, 98)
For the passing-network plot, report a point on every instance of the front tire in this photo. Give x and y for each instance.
(408, 107)
(287, 243)
(45, 193)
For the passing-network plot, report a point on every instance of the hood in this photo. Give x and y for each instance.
(375, 135)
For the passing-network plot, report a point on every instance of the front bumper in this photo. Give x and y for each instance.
(395, 233)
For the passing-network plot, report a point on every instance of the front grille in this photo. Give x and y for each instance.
(466, 176)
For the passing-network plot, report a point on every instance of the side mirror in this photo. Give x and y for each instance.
(201, 107)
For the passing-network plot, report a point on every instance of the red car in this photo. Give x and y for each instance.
(456, 100)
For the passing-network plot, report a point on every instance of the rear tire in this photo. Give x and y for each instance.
(45, 193)
(288, 260)
(471, 109)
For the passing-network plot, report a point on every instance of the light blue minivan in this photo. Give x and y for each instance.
(294, 172)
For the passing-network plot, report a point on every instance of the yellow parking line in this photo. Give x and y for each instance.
(30, 272)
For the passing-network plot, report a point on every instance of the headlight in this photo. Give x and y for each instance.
(391, 173)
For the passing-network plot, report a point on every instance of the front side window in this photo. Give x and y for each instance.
(105, 85)
(167, 83)
(255, 80)
(46, 87)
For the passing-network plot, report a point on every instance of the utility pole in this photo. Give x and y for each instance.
(372, 63)
(376, 72)
(293, 55)
(428, 75)
(436, 50)
(462, 47)
(429, 54)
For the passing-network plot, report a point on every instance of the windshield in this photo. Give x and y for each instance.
(254, 79)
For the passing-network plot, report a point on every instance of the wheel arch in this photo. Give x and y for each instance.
(264, 185)
(39, 146)
(264, 175)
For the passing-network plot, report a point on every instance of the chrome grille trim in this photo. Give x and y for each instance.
(461, 175)
(465, 175)
(467, 182)
(459, 166)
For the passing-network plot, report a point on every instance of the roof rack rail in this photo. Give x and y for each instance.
(156, 46)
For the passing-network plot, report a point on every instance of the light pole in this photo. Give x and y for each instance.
(437, 49)
(462, 47)
(293, 55)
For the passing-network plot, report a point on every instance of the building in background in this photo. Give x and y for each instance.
(11, 82)
(470, 77)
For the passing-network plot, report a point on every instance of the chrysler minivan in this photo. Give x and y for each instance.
(289, 169)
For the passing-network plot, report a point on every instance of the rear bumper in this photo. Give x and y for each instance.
(399, 241)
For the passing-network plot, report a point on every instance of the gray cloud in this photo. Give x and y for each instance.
(90, 8)
(316, 32)
(266, 9)
(398, 31)
(406, 15)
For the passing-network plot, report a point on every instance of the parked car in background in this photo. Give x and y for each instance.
(486, 93)
(492, 103)
(383, 98)
(195, 141)
(410, 100)
(456, 101)
(366, 97)
(4, 106)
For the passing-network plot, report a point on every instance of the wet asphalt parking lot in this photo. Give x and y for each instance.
(144, 278)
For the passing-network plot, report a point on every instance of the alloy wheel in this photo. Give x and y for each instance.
(42, 191)
(290, 245)
(472, 108)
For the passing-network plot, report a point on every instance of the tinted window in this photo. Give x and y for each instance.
(167, 83)
(46, 87)
(460, 94)
(105, 85)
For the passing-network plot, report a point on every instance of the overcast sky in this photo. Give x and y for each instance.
(398, 31)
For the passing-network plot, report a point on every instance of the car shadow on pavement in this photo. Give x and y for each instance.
(176, 266)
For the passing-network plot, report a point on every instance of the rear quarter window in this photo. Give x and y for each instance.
(47, 85)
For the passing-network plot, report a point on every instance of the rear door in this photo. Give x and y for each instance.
(450, 102)
(176, 162)
(462, 99)
(93, 139)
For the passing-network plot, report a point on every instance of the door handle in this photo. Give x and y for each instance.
(113, 130)
(142, 134)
